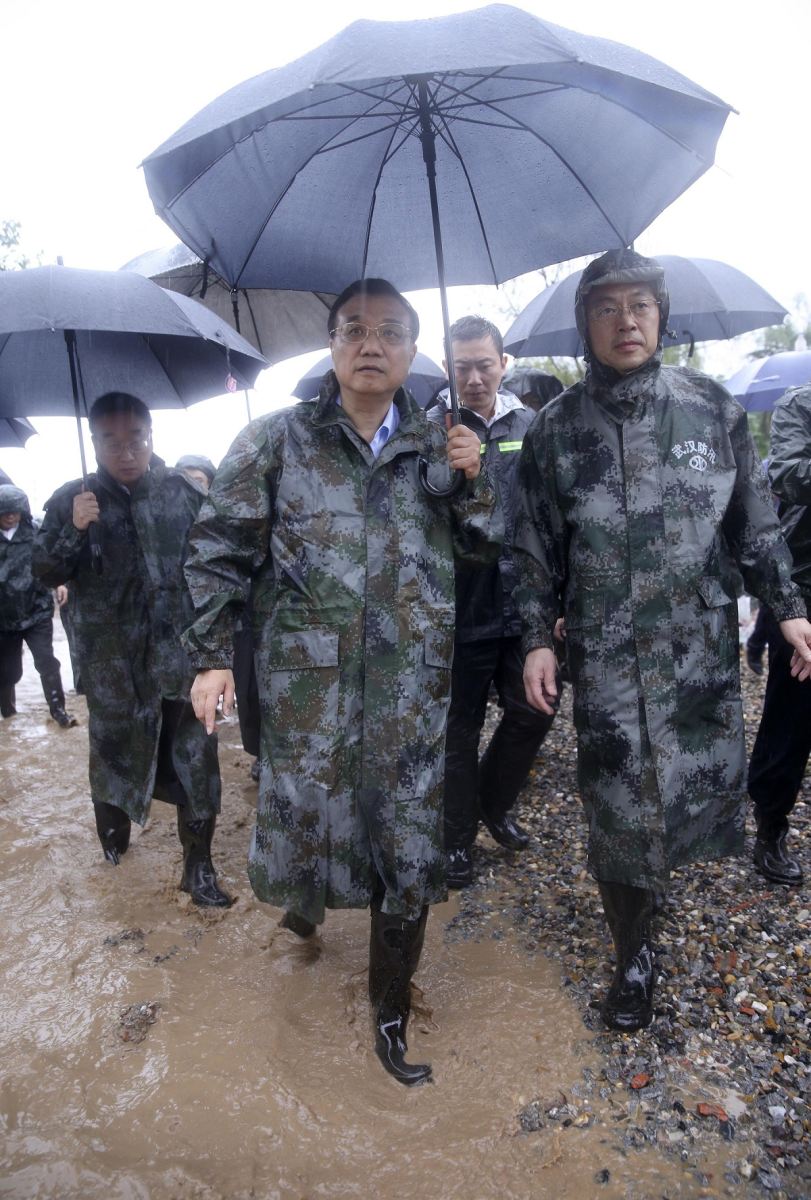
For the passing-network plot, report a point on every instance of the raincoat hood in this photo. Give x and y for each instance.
(13, 499)
(197, 462)
(621, 266)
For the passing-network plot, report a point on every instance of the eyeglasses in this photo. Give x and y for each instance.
(389, 333)
(117, 450)
(639, 310)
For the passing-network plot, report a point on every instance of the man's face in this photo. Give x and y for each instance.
(9, 520)
(123, 444)
(376, 367)
(479, 371)
(198, 476)
(623, 324)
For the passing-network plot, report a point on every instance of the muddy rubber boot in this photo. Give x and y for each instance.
(297, 924)
(772, 859)
(8, 701)
(113, 827)
(395, 946)
(629, 912)
(199, 878)
(56, 707)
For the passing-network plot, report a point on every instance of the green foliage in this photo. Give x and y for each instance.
(760, 426)
(12, 257)
(779, 338)
(679, 356)
(567, 370)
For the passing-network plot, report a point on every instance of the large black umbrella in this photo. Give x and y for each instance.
(424, 377)
(15, 431)
(279, 324)
(708, 300)
(314, 174)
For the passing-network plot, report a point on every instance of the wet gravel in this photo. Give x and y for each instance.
(726, 1065)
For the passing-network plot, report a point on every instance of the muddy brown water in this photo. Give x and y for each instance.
(151, 1051)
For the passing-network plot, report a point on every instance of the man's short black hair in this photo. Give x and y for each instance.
(118, 402)
(468, 329)
(373, 287)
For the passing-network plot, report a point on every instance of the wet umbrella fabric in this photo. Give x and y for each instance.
(130, 335)
(15, 431)
(423, 379)
(279, 324)
(709, 300)
(760, 383)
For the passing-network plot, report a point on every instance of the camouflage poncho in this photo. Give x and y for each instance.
(24, 600)
(127, 626)
(353, 599)
(641, 503)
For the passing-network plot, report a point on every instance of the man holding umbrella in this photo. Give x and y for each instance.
(128, 617)
(318, 511)
(642, 499)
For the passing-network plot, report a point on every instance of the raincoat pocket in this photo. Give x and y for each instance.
(585, 615)
(300, 729)
(719, 615)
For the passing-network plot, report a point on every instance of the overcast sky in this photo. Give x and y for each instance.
(88, 89)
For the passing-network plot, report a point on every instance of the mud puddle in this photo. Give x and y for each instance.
(151, 1051)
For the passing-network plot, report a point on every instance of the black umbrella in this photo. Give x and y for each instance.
(423, 379)
(709, 300)
(314, 174)
(15, 431)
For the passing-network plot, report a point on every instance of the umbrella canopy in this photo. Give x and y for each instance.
(423, 379)
(760, 384)
(279, 324)
(130, 335)
(313, 174)
(15, 431)
(709, 300)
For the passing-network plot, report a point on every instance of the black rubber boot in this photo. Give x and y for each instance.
(297, 924)
(505, 830)
(113, 827)
(459, 868)
(56, 706)
(199, 877)
(772, 861)
(629, 912)
(395, 946)
(8, 701)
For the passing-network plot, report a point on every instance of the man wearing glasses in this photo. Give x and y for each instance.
(320, 508)
(643, 497)
(130, 607)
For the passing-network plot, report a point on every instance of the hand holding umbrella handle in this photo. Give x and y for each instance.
(442, 493)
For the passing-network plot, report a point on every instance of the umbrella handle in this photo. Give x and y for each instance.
(455, 485)
(77, 386)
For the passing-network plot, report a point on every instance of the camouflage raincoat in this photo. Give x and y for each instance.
(127, 625)
(24, 600)
(353, 599)
(642, 501)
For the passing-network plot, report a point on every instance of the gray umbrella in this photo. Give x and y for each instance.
(314, 174)
(279, 324)
(15, 431)
(423, 379)
(709, 300)
(760, 383)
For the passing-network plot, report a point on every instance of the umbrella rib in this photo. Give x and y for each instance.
(384, 159)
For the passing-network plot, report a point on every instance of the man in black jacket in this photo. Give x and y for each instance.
(783, 741)
(487, 647)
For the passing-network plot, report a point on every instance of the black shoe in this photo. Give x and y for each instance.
(754, 661)
(629, 1003)
(113, 827)
(8, 701)
(459, 868)
(773, 863)
(506, 832)
(297, 924)
(255, 770)
(199, 878)
(56, 707)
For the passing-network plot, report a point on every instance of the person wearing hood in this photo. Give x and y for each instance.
(26, 611)
(643, 502)
(197, 467)
(129, 612)
(487, 639)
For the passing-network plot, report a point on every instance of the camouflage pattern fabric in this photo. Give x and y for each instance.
(127, 625)
(24, 600)
(352, 567)
(641, 502)
(790, 477)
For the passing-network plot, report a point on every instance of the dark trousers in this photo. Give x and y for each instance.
(247, 690)
(491, 786)
(39, 640)
(758, 639)
(783, 740)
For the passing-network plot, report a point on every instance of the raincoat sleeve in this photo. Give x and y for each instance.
(228, 544)
(790, 457)
(540, 545)
(752, 530)
(58, 544)
(478, 522)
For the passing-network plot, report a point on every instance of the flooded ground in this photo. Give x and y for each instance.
(151, 1051)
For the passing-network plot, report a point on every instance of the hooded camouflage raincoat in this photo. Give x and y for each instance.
(642, 499)
(353, 602)
(127, 624)
(24, 600)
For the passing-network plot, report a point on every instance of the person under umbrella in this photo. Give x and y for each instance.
(197, 467)
(26, 611)
(318, 512)
(642, 497)
(144, 738)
